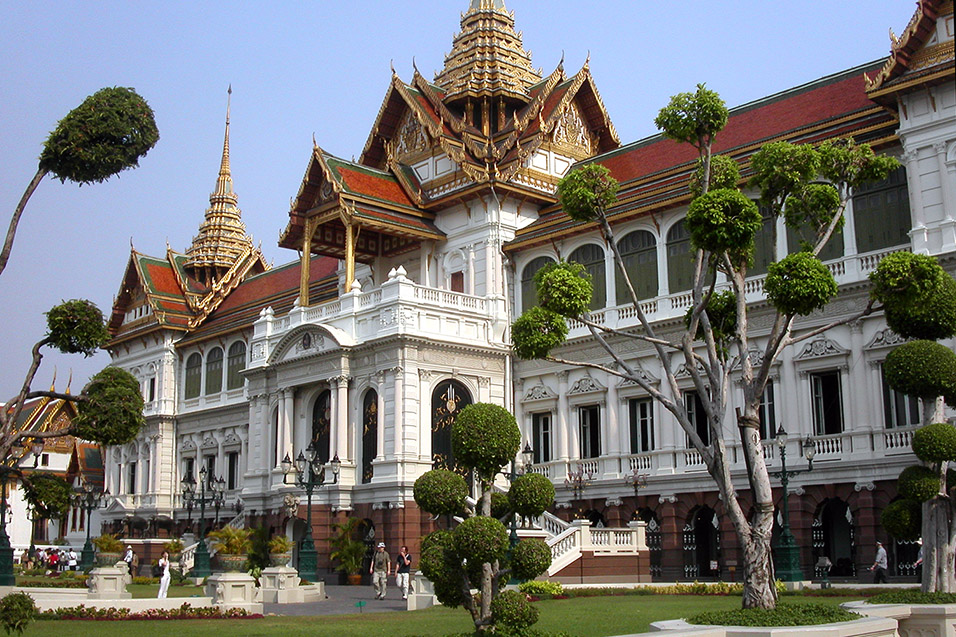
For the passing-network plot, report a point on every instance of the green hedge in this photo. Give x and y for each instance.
(782, 615)
(912, 596)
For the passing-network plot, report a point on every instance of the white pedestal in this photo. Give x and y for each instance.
(421, 593)
(234, 590)
(108, 582)
(281, 585)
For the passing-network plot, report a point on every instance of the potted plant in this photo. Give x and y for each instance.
(109, 549)
(175, 548)
(280, 550)
(347, 550)
(231, 545)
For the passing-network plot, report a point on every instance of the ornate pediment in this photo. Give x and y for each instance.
(586, 385)
(209, 443)
(188, 445)
(684, 372)
(821, 348)
(642, 374)
(308, 341)
(572, 134)
(885, 338)
(410, 139)
(539, 392)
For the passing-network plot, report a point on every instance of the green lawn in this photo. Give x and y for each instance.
(581, 617)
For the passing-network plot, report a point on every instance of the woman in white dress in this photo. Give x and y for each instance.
(164, 580)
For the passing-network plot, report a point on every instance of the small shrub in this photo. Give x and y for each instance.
(108, 543)
(782, 615)
(280, 544)
(17, 610)
(231, 541)
(540, 587)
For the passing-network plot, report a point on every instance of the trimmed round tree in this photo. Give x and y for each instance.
(476, 554)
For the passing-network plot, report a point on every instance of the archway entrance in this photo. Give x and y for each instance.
(448, 399)
(702, 544)
(833, 537)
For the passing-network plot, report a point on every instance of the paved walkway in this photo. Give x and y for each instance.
(341, 600)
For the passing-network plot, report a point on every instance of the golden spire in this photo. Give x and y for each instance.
(222, 236)
(487, 57)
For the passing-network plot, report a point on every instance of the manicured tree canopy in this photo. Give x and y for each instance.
(935, 442)
(799, 284)
(531, 494)
(480, 539)
(104, 135)
(724, 173)
(903, 519)
(112, 413)
(918, 483)
(485, 437)
(564, 288)
(586, 191)
(814, 206)
(76, 327)
(511, 608)
(782, 168)
(441, 492)
(48, 494)
(693, 118)
(530, 558)
(536, 332)
(925, 369)
(918, 296)
(723, 220)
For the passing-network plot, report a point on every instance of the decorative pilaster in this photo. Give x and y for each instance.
(561, 431)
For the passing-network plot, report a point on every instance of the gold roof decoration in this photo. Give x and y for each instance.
(222, 237)
(487, 56)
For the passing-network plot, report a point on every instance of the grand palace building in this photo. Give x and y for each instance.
(408, 266)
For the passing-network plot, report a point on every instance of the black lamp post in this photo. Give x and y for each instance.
(788, 553)
(309, 473)
(528, 454)
(189, 490)
(201, 562)
(7, 577)
(88, 500)
(577, 481)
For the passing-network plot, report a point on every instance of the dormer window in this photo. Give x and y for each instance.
(138, 313)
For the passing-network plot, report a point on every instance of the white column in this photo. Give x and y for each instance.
(491, 275)
(948, 192)
(424, 415)
(610, 281)
(612, 428)
(663, 286)
(471, 270)
(918, 234)
(342, 418)
(562, 430)
(380, 415)
(399, 409)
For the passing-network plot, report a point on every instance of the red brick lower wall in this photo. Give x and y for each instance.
(606, 569)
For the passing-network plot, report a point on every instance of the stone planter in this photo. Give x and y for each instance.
(107, 559)
(232, 563)
(280, 559)
(914, 619)
(353, 579)
(863, 627)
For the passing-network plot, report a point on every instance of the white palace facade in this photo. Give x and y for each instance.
(416, 258)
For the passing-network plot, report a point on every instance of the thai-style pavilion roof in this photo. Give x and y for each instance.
(654, 172)
(923, 55)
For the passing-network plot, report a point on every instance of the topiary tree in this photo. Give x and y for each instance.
(110, 406)
(17, 610)
(477, 554)
(919, 299)
(104, 135)
(717, 343)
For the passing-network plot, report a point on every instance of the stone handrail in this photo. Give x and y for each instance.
(567, 546)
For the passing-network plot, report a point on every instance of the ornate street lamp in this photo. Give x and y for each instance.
(7, 577)
(637, 480)
(201, 562)
(308, 473)
(788, 553)
(88, 500)
(577, 481)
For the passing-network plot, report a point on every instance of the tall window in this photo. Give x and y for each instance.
(827, 399)
(541, 435)
(680, 259)
(151, 391)
(881, 212)
(448, 399)
(641, 416)
(764, 249)
(193, 375)
(236, 363)
(899, 410)
(214, 371)
(232, 470)
(639, 253)
(457, 281)
(767, 413)
(189, 466)
(369, 433)
(529, 293)
(697, 416)
(590, 431)
(591, 256)
(321, 425)
(131, 485)
(209, 461)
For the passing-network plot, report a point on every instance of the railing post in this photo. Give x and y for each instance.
(584, 534)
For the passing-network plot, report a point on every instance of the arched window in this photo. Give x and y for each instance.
(236, 363)
(369, 433)
(680, 259)
(321, 425)
(881, 212)
(448, 399)
(639, 253)
(591, 256)
(802, 238)
(214, 371)
(193, 381)
(529, 293)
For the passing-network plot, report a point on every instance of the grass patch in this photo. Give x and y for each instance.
(782, 615)
(580, 617)
(911, 596)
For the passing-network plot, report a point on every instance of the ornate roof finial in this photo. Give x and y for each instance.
(222, 236)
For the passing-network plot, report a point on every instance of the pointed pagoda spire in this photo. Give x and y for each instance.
(222, 236)
(487, 57)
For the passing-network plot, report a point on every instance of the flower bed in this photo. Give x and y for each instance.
(185, 611)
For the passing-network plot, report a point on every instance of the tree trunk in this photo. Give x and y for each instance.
(15, 219)
(760, 586)
(939, 541)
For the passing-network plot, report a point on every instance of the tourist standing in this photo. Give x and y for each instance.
(71, 559)
(380, 568)
(879, 565)
(402, 570)
(164, 579)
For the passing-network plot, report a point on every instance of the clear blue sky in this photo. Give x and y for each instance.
(300, 69)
